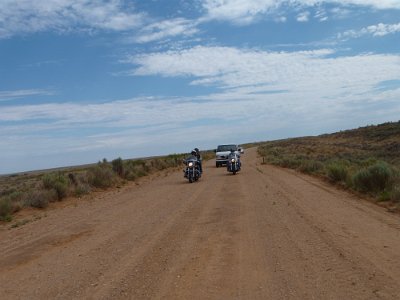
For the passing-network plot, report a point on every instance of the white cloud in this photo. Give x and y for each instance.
(267, 94)
(240, 11)
(301, 71)
(10, 95)
(340, 12)
(378, 30)
(378, 4)
(246, 11)
(131, 124)
(166, 29)
(321, 15)
(26, 16)
(383, 29)
(281, 19)
(303, 17)
(154, 126)
(281, 85)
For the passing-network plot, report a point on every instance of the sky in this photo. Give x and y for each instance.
(83, 80)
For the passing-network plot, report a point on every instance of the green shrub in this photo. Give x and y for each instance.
(375, 178)
(159, 164)
(61, 189)
(395, 193)
(134, 174)
(368, 162)
(311, 166)
(82, 189)
(118, 166)
(337, 172)
(289, 162)
(175, 160)
(5, 209)
(7, 191)
(273, 161)
(384, 196)
(15, 196)
(58, 182)
(41, 198)
(130, 169)
(101, 176)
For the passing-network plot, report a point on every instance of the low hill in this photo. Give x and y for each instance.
(366, 159)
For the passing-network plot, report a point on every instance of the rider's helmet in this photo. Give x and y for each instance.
(193, 152)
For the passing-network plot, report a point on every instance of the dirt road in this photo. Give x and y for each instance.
(265, 233)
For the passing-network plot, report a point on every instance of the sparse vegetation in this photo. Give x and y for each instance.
(39, 189)
(41, 198)
(57, 182)
(395, 195)
(102, 175)
(118, 166)
(5, 210)
(311, 166)
(82, 189)
(366, 159)
(338, 172)
(135, 169)
(375, 178)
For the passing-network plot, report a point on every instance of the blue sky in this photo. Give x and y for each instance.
(84, 80)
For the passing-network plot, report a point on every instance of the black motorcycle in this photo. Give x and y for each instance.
(192, 170)
(233, 164)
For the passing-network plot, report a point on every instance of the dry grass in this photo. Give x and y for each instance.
(366, 159)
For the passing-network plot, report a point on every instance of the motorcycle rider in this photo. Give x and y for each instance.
(193, 156)
(198, 155)
(237, 154)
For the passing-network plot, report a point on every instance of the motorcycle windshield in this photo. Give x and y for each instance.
(191, 159)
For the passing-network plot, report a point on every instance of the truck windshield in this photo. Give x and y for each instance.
(222, 148)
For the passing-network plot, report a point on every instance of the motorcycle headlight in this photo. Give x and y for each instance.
(233, 160)
(190, 164)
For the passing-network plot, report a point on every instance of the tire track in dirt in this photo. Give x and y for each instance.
(140, 276)
(116, 234)
(265, 233)
(205, 268)
(329, 251)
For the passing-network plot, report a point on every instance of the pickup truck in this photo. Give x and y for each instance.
(222, 152)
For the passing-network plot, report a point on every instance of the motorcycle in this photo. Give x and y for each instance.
(233, 165)
(192, 170)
